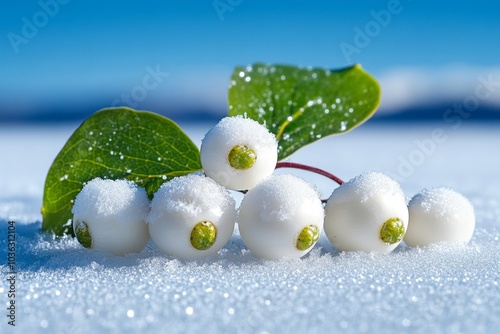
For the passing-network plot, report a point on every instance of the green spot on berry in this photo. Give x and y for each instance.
(83, 235)
(203, 235)
(307, 237)
(241, 157)
(392, 231)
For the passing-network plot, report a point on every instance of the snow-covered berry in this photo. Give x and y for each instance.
(238, 153)
(110, 215)
(439, 215)
(191, 217)
(367, 213)
(281, 217)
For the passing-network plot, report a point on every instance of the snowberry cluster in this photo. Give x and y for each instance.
(280, 216)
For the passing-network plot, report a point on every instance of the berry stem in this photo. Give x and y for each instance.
(283, 164)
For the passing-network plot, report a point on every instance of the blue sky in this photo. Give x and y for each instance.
(85, 54)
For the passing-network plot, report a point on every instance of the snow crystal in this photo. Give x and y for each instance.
(247, 130)
(202, 195)
(368, 185)
(277, 189)
(121, 201)
(443, 201)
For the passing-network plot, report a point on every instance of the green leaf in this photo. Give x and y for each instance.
(302, 105)
(115, 143)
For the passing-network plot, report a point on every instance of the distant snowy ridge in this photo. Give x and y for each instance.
(408, 87)
(201, 94)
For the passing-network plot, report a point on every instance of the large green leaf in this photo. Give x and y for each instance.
(302, 105)
(115, 143)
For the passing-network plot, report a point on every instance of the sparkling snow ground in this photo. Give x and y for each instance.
(63, 288)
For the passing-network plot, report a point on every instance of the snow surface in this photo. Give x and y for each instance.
(63, 288)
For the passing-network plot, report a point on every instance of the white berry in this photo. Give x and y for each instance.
(191, 217)
(439, 215)
(281, 217)
(109, 215)
(238, 153)
(367, 213)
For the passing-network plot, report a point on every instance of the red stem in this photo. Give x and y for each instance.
(283, 164)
